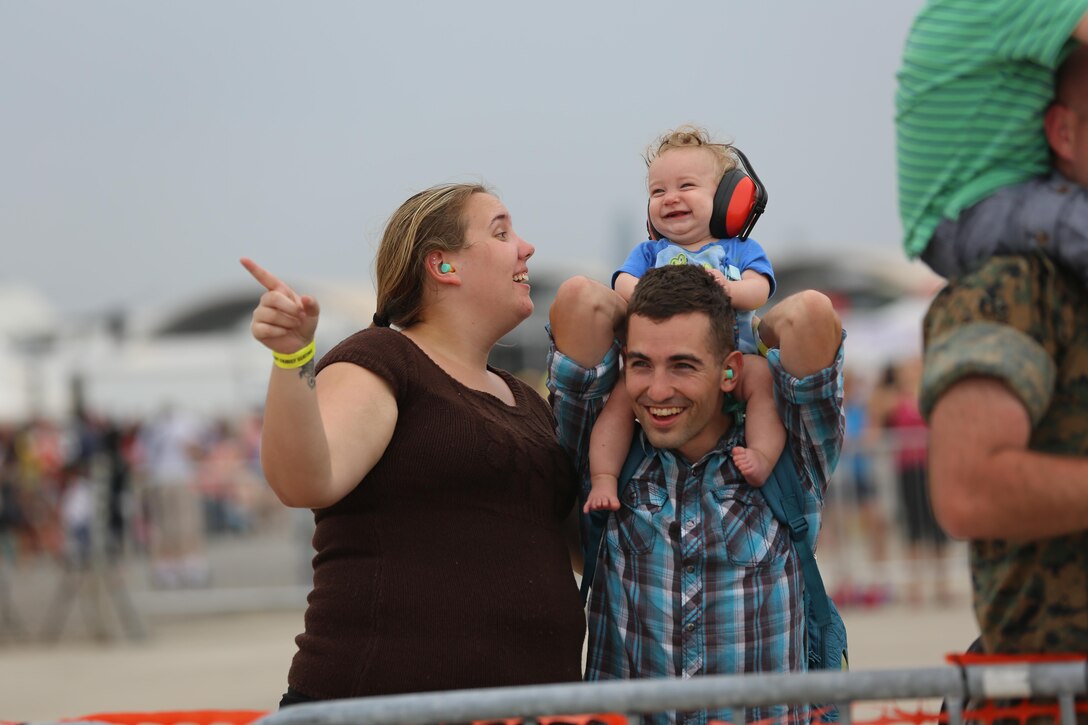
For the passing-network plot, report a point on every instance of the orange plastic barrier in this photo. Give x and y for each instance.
(175, 717)
(975, 658)
(244, 717)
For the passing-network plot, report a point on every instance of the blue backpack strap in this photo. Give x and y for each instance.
(826, 643)
(598, 520)
(786, 499)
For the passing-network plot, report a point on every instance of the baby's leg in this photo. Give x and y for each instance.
(764, 432)
(608, 446)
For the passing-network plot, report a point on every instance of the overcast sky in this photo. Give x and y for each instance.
(145, 146)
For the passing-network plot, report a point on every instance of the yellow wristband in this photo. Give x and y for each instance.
(763, 349)
(295, 359)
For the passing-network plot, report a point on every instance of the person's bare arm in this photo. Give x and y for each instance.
(806, 330)
(319, 437)
(1080, 31)
(985, 483)
(625, 285)
(584, 318)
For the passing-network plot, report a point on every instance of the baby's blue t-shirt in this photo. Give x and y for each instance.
(732, 257)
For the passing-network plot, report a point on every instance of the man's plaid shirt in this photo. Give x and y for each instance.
(696, 576)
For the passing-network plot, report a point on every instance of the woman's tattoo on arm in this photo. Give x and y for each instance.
(306, 372)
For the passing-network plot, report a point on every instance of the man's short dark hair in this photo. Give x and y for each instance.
(677, 289)
(1070, 80)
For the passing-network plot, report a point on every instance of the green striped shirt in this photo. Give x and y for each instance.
(976, 79)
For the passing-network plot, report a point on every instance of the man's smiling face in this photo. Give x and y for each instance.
(676, 382)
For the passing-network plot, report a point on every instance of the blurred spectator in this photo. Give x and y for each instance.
(855, 501)
(903, 420)
(77, 511)
(172, 447)
(40, 457)
(226, 482)
(115, 442)
(11, 514)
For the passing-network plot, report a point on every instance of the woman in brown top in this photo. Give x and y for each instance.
(438, 486)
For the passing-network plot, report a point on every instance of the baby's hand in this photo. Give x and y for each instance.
(718, 275)
(720, 278)
(601, 502)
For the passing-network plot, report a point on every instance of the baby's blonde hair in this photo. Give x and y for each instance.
(689, 136)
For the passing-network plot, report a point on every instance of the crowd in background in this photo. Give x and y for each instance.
(878, 505)
(175, 479)
(156, 487)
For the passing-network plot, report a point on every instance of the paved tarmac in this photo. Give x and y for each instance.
(240, 661)
(229, 647)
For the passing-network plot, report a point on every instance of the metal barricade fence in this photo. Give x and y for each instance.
(563, 703)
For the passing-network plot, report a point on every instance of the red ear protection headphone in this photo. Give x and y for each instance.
(738, 202)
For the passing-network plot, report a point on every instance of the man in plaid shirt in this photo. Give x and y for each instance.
(696, 576)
